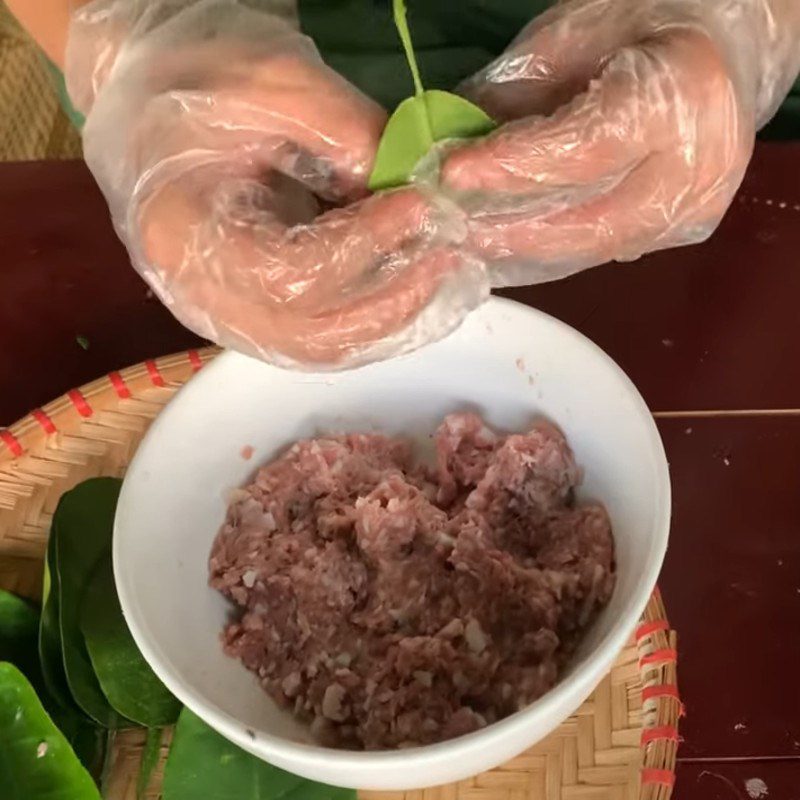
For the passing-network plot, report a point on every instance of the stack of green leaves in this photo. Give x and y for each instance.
(71, 676)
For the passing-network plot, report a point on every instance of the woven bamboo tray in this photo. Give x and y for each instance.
(620, 745)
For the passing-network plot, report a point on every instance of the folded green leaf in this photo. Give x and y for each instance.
(406, 139)
(421, 121)
(416, 125)
(453, 117)
(127, 681)
(82, 528)
(203, 764)
(36, 762)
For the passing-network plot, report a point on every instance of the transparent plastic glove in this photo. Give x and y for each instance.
(235, 166)
(629, 125)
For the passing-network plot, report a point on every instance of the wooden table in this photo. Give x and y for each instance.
(708, 333)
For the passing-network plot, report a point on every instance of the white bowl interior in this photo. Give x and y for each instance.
(510, 363)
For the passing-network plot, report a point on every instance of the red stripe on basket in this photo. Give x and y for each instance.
(45, 421)
(194, 359)
(665, 777)
(11, 442)
(79, 401)
(649, 628)
(155, 376)
(120, 387)
(662, 656)
(661, 690)
(662, 732)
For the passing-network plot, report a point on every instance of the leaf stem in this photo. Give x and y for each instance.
(150, 756)
(401, 22)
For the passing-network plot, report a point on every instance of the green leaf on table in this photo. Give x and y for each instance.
(126, 679)
(36, 761)
(82, 529)
(421, 121)
(202, 763)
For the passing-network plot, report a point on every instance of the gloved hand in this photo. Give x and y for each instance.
(629, 124)
(235, 165)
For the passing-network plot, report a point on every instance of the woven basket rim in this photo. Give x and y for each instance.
(42, 421)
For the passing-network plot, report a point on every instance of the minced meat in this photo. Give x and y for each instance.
(392, 604)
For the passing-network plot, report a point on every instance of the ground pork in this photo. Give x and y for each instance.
(392, 604)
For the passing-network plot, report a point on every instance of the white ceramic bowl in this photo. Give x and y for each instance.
(510, 362)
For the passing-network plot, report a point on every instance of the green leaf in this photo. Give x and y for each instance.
(406, 139)
(36, 761)
(50, 658)
(86, 739)
(204, 764)
(127, 681)
(19, 629)
(82, 528)
(453, 117)
(150, 755)
(416, 125)
(421, 121)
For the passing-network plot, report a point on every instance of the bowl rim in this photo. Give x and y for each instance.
(571, 690)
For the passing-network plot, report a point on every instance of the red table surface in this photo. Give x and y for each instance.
(703, 332)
